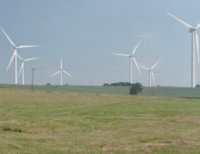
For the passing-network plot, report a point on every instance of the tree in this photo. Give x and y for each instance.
(118, 84)
(135, 88)
(197, 86)
(106, 84)
(48, 84)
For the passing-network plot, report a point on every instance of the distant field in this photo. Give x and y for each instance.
(62, 121)
(154, 91)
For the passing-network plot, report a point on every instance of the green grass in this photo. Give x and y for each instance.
(50, 121)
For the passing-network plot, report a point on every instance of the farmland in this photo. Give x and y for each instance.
(87, 120)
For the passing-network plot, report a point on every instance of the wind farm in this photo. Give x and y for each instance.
(131, 57)
(19, 70)
(15, 54)
(99, 77)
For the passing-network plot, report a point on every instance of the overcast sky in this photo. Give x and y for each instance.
(86, 33)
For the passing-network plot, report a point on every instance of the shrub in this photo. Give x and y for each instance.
(48, 84)
(197, 86)
(6, 128)
(135, 88)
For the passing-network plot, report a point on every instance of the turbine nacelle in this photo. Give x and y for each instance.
(191, 30)
(194, 29)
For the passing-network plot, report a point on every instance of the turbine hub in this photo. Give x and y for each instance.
(192, 30)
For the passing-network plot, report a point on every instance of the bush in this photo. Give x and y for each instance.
(118, 84)
(48, 84)
(18, 130)
(135, 88)
(106, 84)
(197, 86)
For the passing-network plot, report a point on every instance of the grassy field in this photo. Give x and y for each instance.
(47, 121)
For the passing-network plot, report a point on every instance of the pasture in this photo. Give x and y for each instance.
(90, 121)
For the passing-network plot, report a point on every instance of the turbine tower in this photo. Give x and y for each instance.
(151, 74)
(131, 60)
(194, 47)
(61, 71)
(21, 71)
(15, 54)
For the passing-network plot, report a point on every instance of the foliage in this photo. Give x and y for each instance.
(197, 86)
(6, 128)
(118, 84)
(48, 84)
(106, 84)
(136, 88)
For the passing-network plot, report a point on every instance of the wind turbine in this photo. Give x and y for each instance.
(15, 54)
(61, 71)
(194, 47)
(23, 60)
(131, 60)
(151, 74)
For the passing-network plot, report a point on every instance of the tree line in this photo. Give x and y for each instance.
(135, 88)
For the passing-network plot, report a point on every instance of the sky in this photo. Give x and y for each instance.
(86, 33)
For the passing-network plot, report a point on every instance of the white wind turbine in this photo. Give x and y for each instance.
(151, 74)
(131, 60)
(15, 54)
(23, 60)
(195, 46)
(61, 71)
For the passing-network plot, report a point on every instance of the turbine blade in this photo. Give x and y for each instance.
(8, 38)
(144, 68)
(67, 73)
(180, 21)
(30, 59)
(61, 63)
(198, 26)
(11, 59)
(55, 73)
(197, 45)
(155, 65)
(121, 54)
(136, 64)
(133, 52)
(27, 46)
(19, 57)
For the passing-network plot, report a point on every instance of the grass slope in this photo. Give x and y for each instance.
(67, 122)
